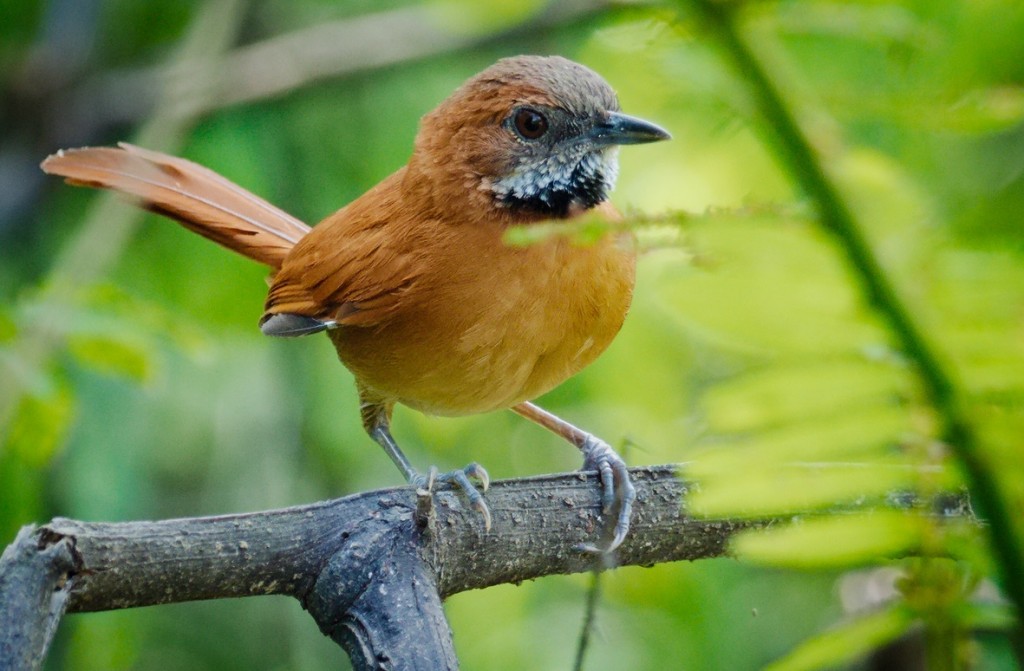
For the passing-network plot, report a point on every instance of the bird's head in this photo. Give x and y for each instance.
(533, 137)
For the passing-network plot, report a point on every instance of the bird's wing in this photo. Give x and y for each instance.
(353, 269)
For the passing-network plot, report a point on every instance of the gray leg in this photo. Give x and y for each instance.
(376, 417)
(616, 486)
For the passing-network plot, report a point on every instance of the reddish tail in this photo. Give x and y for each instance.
(198, 198)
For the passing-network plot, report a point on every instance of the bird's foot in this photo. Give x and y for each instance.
(616, 488)
(462, 479)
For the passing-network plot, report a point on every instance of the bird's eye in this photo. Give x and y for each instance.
(529, 123)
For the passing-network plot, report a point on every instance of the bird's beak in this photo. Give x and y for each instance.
(618, 128)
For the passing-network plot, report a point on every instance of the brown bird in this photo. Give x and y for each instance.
(413, 281)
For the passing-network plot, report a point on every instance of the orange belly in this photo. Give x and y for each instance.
(494, 325)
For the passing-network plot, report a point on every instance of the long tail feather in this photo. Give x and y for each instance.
(198, 198)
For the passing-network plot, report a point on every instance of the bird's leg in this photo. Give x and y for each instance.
(616, 487)
(376, 416)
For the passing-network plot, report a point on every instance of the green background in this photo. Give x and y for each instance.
(134, 383)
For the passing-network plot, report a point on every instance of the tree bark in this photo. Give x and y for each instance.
(34, 592)
(365, 566)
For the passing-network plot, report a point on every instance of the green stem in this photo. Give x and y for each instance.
(590, 614)
(799, 158)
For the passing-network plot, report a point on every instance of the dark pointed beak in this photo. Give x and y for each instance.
(619, 128)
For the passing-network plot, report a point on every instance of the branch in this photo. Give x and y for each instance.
(536, 523)
(33, 595)
(356, 563)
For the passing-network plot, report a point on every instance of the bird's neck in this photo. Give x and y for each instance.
(526, 195)
(557, 190)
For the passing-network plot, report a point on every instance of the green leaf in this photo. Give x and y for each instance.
(792, 391)
(794, 488)
(583, 230)
(109, 313)
(122, 357)
(987, 616)
(858, 435)
(40, 425)
(983, 111)
(770, 290)
(466, 16)
(847, 642)
(111, 308)
(8, 328)
(839, 540)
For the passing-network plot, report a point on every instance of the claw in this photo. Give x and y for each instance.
(477, 472)
(461, 479)
(616, 487)
(376, 418)
(481, 507)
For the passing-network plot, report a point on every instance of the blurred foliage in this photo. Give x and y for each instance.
(751, 353)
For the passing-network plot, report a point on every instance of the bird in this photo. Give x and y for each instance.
(414, 282)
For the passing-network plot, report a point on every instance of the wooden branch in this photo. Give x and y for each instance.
(537, 523)
(33, 595)
(356, 563)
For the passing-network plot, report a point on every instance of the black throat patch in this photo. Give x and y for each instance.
(554, 191)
